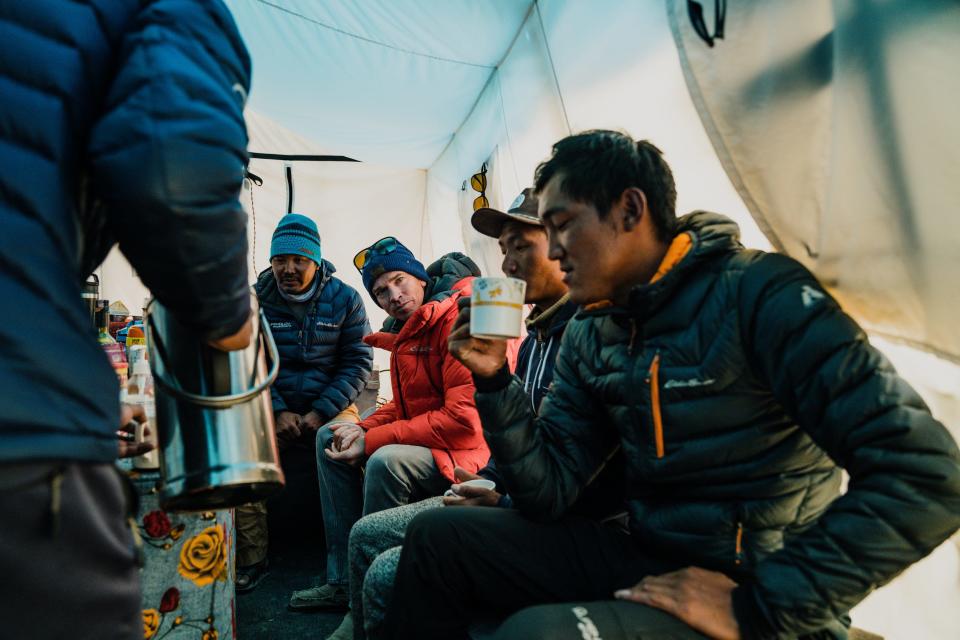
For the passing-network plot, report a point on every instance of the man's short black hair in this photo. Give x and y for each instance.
(598, 166)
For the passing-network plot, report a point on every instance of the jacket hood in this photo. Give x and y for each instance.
(552, 321)
(445, 272)
(268, 291)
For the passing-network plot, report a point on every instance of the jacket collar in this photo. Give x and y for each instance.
(269, 293)
(551, 321)
(701, 236)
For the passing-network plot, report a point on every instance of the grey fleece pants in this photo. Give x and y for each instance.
(374, 551)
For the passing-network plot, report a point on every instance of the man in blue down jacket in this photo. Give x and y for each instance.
(318, 323)
(120, 121)
(735, 387)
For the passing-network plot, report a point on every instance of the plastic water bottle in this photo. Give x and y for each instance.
(140, 392)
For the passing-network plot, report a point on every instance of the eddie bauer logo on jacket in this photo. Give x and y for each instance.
(692, 382)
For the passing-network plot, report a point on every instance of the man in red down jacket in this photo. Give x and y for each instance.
(412, 444)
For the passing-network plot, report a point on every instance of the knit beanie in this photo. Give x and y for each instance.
(400, 259)
(296, 235)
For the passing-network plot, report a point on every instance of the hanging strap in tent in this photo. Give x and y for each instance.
(288, 172)
(251, 179)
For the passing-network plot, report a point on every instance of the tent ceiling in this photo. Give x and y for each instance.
(416, 69)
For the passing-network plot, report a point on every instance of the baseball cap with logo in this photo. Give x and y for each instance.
(490, 222)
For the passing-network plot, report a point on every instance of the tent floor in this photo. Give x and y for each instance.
(262, 614)
(297, 554)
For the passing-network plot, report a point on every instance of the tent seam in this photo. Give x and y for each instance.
(506, 130)
(495, 70)
(553, 68)
(371, 40)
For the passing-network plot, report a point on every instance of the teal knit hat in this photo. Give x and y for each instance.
(296, 235)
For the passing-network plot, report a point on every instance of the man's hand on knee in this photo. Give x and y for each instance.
(344, 434)
(702, 599)
(353, 454)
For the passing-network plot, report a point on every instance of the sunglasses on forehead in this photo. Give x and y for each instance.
(381, 247)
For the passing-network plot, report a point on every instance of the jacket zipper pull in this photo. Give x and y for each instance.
(633, 336)
(738, 558)
(654, 367)
(653, 379)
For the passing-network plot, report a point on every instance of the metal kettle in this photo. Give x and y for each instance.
(214, 416)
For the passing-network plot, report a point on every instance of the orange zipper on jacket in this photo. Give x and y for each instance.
(739, 544)
(654, 380)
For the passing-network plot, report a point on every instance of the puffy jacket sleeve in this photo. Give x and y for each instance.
(455, 425)
(904, 493)
(547, 461)
(168, 156)
(354, 360)
(383, 415)
(276, 400)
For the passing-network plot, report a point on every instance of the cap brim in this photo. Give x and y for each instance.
(490, 222)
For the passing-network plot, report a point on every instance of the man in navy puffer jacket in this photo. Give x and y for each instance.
(318, 323)
(120, 122)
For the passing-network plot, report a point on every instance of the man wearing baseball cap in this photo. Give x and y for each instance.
(318, 323)
(523, 243)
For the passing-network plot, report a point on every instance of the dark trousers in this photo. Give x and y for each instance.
(67, 557)
(461, 564)
(609, 620)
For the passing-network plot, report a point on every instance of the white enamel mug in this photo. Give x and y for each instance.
(496, 308)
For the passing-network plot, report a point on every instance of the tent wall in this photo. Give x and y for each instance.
(577, 66)
(840, 134)
(354, 204)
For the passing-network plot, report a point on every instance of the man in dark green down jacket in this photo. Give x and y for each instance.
(737, 389)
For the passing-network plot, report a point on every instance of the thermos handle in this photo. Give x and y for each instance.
(216, 402)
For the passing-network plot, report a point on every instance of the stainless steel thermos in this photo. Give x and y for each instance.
(214, 416)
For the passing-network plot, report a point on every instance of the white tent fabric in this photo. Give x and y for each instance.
(837, 123)
(424, 92)
(353, 204)
(414, 70)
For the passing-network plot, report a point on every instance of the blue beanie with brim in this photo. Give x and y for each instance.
(296, 235)
(400, 259)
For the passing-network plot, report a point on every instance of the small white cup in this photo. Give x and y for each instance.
(483, 483)
(496, 308)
